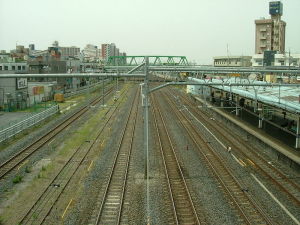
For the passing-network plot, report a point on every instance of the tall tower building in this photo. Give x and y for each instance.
(270, 33)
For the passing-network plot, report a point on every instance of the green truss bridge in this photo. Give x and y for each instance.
(153, 60)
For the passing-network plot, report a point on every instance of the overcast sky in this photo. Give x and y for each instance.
(198, 29)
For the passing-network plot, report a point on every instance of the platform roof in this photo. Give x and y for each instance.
(286, 98)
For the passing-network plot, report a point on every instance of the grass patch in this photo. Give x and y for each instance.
(86, 131)
(27, 170)
(17, 179)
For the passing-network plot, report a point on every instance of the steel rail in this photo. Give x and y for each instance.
(171, 163)
(232, 186)
(282, 181)
(68, 179)
(20, 156)
(115, 164)
(165, 167)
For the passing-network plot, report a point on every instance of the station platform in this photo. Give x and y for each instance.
(291, 153)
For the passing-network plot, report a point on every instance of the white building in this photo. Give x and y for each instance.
(91, 52)
(232, 61)
(279, 60)
(69, 51)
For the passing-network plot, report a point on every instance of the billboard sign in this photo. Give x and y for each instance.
(21, 83)
(269, 58)
(275, 8)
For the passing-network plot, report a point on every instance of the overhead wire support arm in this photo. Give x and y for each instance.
(136, 68)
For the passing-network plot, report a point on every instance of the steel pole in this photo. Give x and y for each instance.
(298, 133)
(103, 91)
(146, 134)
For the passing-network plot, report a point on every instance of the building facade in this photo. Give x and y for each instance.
(108, 50)
(270, 33)
(285, 60)
(91, 52)
(232, 61)
(69, 51)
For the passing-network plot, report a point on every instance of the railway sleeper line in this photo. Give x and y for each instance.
(22, 155)
(109, 208)
(184, 211)
(248, 209)
(260, 165)
(38, 213)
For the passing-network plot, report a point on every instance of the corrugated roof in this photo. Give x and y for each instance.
(284, 97)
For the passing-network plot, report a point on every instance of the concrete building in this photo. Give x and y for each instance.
(108, 50)
(13, 67)
(50, 66)
(232, 61)
(292, 60)
(31, 47)
(270, 33)
(105, 51)
(13, 91)
(69, 51)
(9, 64)
(91, 52)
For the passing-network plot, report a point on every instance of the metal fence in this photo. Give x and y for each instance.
(85, 89)
(26, 123)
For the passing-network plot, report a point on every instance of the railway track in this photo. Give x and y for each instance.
(183, 208)
(247, 208)
(18, 158)
(42, 207)
(251, 157)
(110, 205)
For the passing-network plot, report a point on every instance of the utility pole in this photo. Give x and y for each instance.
(145, 92)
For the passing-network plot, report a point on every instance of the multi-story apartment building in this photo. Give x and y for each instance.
(69, 51)
(91, 52)
(270, 33)
(108, 50)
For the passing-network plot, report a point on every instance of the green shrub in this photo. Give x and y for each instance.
(17, 179)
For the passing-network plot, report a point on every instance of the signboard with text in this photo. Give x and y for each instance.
(21, 83)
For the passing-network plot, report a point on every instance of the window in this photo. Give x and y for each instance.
(0, 67)
(5, 67)
(19, 67)
(13, 67)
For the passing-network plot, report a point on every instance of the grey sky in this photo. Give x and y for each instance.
(197, 29)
